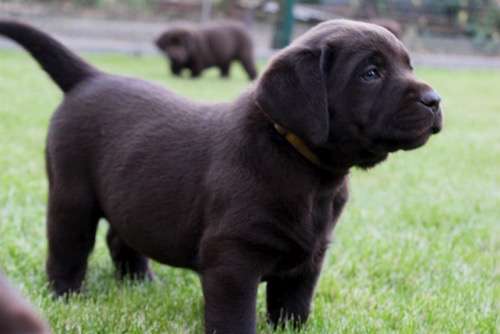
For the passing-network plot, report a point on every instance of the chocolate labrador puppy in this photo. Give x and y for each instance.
(16, 315)
(213, 45)
(242, 192)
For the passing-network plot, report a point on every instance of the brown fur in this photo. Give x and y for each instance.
(215, 188)
(16, 315)
(213, 45)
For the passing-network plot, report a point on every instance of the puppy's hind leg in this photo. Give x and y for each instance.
(127, 261)
(225, 70)
(195, 73)
(176, 69)
(71, 227)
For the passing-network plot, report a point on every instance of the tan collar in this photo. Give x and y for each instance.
(298, 144)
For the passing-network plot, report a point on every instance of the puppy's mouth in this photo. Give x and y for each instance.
(406, 144)
(411, 130)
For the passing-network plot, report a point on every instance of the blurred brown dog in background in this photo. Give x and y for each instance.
(216, 44)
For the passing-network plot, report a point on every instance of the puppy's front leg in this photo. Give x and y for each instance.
(230, 298)
(289, 298)
(230, 277)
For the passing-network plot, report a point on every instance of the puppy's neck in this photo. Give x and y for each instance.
(299, 145)
(265, 140)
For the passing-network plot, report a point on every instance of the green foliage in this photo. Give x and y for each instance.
(416, 250)
(477, 14)
(88, 3)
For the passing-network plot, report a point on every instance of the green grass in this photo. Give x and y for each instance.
(417, 249)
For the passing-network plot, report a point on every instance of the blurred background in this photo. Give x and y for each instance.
(450, 33)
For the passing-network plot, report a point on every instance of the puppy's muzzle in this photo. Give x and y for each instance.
(431, 100)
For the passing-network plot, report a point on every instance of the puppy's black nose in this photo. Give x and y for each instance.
(431, 99)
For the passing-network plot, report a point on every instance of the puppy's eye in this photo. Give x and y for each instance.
(371, 74)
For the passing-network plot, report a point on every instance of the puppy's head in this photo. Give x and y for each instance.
(348, 89)
(177, 43)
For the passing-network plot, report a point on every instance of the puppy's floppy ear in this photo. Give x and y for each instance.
(293, 92)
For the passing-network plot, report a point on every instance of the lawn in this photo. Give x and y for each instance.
(416, 251)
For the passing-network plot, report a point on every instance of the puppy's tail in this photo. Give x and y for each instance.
(63, 66)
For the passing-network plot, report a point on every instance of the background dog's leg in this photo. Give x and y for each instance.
(72, 223)
(176, 68)
(224, 70)
(248, 65)
(195, 72)
(289, 298)
(127, 261)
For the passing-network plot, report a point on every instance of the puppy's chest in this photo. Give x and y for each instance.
(309, 238)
